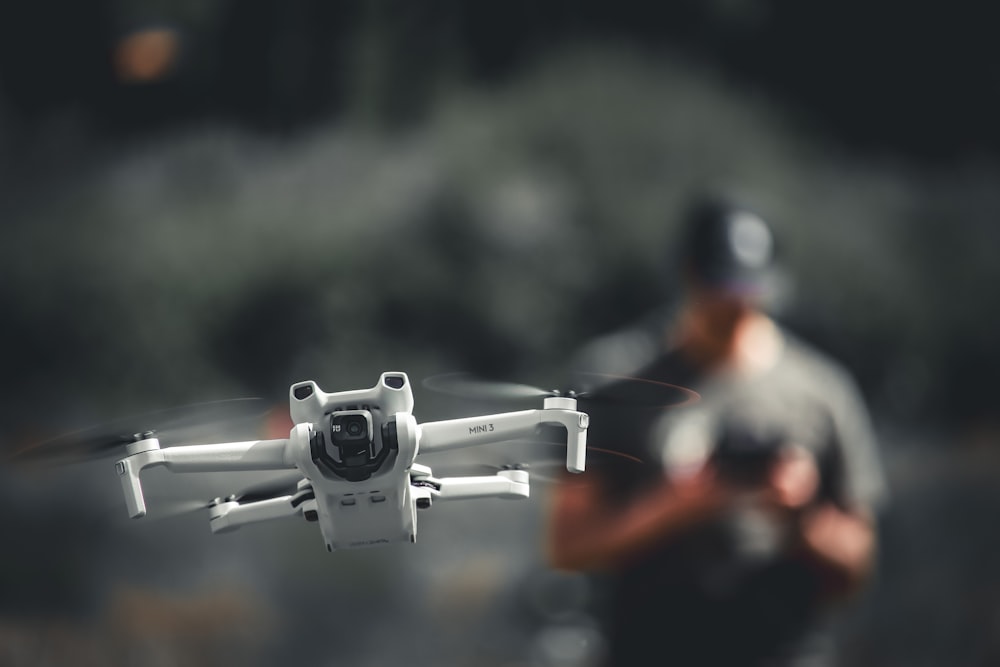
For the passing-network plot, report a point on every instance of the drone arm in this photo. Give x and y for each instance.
(228, 456)
(228, 516)
(505, 484)
(474, 431)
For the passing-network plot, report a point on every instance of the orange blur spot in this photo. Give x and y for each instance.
(146, 55)
(278, 424)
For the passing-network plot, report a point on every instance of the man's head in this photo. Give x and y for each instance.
(727, 263)
(727, 248)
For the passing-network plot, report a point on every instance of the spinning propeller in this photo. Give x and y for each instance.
(173, 425)
(588, 388)
(282, 485)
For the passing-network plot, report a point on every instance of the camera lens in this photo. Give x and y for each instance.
(352, 426)
(351, 449)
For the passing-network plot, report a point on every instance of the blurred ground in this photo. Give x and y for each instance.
(182, 240)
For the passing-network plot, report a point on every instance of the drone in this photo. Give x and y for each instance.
(356, 451)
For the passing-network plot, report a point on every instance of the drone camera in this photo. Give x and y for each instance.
(351, 434)
(347, 446)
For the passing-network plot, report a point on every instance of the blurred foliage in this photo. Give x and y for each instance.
(506, 229)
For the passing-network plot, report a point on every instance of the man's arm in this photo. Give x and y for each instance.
(588, 532)
(840, 537)
(841, 544)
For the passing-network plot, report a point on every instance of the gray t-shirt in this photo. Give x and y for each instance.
(729, 592)
(804, 400)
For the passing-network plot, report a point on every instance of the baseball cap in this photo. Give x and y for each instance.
(728, 247)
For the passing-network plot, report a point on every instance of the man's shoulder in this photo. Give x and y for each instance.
(807, 363)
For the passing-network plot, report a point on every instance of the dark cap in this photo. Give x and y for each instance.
(726, 246)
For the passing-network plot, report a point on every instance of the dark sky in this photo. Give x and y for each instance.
(904, 77)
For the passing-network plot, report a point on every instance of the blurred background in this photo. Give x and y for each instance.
(215, 199)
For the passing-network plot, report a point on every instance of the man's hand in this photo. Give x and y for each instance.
(840, 543)
(793, 479)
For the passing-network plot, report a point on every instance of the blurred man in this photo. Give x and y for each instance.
(754, 509)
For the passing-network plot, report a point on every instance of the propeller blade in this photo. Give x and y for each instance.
(174, 508)
(588, 388)
(170, 424)
(283, 485)
(468, 386)
(627, 391)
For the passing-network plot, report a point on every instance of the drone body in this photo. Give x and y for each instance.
(356, 452)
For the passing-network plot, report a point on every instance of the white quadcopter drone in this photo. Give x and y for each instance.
(356, 453)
